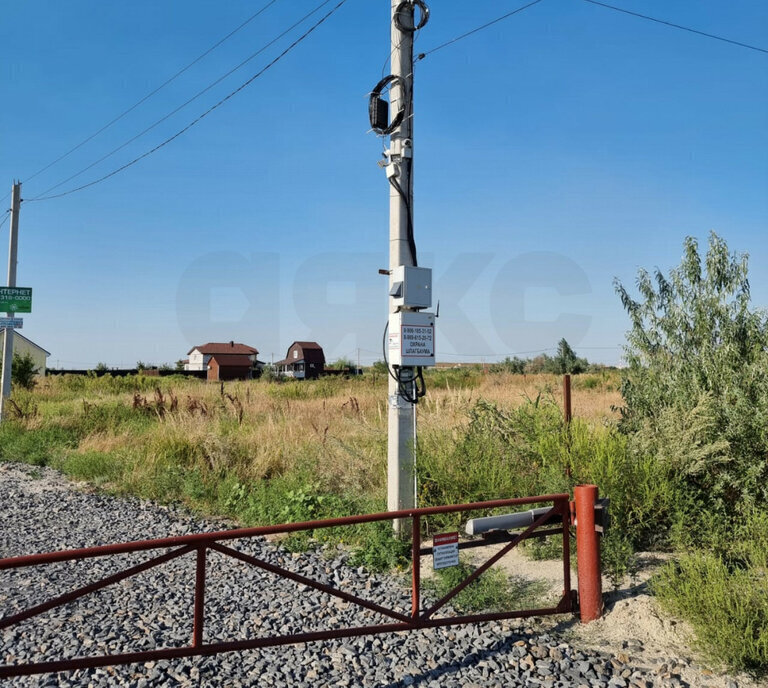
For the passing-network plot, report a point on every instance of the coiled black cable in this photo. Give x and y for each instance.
(423, 19)
(402, 385)
(374, 98)
(409, 217)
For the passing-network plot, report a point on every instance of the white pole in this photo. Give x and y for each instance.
(12, 261)
(402, 422)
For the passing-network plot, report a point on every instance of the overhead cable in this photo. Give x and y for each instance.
(184, 104)
(202, 116)
(153, 92)
(678, 26)
(421, 56)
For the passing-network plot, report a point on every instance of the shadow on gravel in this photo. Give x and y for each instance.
(447, 668)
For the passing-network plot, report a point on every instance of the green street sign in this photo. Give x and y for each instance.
(15, 299)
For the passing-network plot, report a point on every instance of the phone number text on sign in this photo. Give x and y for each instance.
(417, 340)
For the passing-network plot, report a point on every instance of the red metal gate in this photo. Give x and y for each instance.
(555, 520)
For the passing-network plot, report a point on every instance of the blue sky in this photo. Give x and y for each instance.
(556, 150)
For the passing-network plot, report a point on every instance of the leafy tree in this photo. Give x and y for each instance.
(696, 386)
(23, 371)
(379, 367)
(539, 364)
(101, 367)
(566, 360)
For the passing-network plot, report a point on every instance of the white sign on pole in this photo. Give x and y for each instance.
(418, 341)
(445, 550)
(14, 323)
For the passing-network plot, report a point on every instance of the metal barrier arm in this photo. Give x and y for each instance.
(201, 542)
(92, 587)
(298, 578)
(197, 539)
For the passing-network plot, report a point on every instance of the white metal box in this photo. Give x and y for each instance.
(411, 339)
(411, 287)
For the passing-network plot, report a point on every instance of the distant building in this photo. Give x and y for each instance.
(304, 360)
(199, 356)
(224, 360)
(229, 367)
(22, 346)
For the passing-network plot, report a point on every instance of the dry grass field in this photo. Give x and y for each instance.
(216, 447)
(261, 429)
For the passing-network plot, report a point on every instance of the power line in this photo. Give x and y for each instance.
(184, 104)
(151, 93)
(479, 28)
(677, 26)
(198, 119)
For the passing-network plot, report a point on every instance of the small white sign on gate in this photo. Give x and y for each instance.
(445, 550)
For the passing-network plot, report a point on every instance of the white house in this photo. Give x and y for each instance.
(22, 346)
(200, 356)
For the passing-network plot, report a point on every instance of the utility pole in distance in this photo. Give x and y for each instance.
(12, 260)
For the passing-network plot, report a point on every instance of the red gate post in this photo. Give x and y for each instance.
(588, 554)
(199, 619)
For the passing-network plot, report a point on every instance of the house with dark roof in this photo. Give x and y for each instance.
(304, 360)
(224, 360)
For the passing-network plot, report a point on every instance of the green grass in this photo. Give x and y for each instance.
(492, 591)
(38, 446)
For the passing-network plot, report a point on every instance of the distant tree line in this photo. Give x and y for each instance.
(564, 361)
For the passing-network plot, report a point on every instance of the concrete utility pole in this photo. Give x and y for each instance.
(12, 260)
(402, 414)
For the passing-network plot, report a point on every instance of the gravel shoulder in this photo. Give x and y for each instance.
(41, 511)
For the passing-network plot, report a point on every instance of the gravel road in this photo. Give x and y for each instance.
(41, 511)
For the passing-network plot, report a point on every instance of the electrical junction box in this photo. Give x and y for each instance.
(411, 287)
(411, 339)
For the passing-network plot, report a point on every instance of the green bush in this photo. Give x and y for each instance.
(514, 365)
(452, 378)
(23, 371)
(727, 607)
(698, 353)
(530, 451)
(696, 409)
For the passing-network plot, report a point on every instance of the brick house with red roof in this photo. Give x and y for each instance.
(224, 360)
